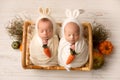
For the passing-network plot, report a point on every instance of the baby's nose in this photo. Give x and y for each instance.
(45, 32)
(71, 37)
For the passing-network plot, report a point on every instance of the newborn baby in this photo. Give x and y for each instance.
(73, 49)
(44, 45)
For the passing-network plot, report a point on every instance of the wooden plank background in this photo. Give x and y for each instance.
(10, 60)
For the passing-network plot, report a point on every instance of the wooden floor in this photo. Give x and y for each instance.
(10, 60)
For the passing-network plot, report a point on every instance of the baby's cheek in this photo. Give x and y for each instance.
(49, 35)
(77, 38)
(66, 37)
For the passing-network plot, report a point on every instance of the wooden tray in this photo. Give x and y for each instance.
(26, 63)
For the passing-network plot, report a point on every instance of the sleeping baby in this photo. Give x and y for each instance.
(73, 49)
(44, 44)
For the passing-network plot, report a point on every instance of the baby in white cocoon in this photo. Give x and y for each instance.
(73, 48)
(44, 44)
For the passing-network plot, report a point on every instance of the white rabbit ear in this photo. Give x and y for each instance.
(68, 13)
(41, 11)
(47, 11)
(76, 13)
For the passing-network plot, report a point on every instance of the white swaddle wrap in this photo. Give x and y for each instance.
(81, 47)
(37, 55)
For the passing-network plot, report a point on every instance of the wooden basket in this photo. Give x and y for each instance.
(26, 63)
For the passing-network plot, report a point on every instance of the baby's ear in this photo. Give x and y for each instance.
(68, 13)
(76, 13)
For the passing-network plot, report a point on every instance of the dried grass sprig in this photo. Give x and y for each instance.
(15, 29)
(99, 34)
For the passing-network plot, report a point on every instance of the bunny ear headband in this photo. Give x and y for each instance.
(73, 14)
(45, 13)
(72, 17)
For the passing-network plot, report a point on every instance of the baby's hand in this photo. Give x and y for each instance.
(45, 41)
(72, 46)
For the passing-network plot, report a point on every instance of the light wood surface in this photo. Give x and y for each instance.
(10, 60)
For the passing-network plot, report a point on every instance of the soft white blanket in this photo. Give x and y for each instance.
(37, 55)
(81, 49)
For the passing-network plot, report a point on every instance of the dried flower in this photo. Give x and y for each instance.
(15, 29)
(99, 34)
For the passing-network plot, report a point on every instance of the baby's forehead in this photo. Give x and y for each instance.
(72, 25)
(45, 21)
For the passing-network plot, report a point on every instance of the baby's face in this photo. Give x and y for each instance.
(45, 30)
(72, 32)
